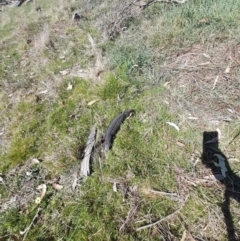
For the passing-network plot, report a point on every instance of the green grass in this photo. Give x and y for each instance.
(133, 57)
(191, 23)
(146, 154)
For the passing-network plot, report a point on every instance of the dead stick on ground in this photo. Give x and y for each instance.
(238, 134)
(85, 165)
(172, 1)
(166, 194)
(150, 2)
(187, 236)
(184, 236)
(132, 212)
(25, 232)
(165, 218)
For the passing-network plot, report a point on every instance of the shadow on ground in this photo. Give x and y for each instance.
(213, 158)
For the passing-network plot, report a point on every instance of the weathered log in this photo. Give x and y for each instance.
(85, 164)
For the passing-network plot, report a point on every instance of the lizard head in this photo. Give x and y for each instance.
(129, 113)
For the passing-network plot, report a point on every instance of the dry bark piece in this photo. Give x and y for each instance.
(85, 165)
(114, 127)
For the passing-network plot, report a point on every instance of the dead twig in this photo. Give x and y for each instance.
(184, 236)
(150, 2)
(235, 137)
(135, 203)
(25, 232)
(172, 1)
(172, 196)
(187, 236)
(165, 218)
(169, 195)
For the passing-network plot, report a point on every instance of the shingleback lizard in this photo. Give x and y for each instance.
(114, 127)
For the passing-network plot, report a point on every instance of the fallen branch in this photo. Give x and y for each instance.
(85, 165)
(165, 218)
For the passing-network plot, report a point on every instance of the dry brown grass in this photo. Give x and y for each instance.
(206, 81)
(42, 40)
(204, 91)
(116, 15)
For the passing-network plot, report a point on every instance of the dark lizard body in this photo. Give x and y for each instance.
(114, 127)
